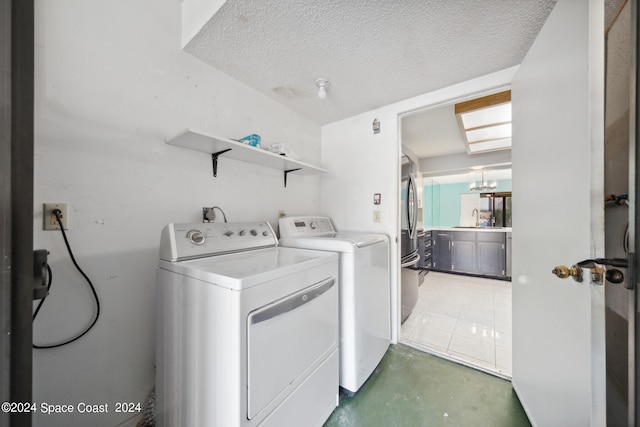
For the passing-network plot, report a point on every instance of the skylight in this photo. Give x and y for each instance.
(485, 122)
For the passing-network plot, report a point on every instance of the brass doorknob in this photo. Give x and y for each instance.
(563, 272)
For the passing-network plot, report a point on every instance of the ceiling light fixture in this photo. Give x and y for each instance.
(322, 84)
(485, 122)
(484, 186)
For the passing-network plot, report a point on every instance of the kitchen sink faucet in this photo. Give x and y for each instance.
(477, 215)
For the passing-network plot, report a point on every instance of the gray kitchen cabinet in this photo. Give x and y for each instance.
(441, 250)
(463, 251)
(481, 253)
(425, 242)
(491, 254)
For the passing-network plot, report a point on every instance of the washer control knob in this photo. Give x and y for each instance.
(313, 225)
(254, 233)
(241, 232)
(196, 237)
(228, 233)
(265, 233)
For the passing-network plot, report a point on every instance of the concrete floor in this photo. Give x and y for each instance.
(411, 388)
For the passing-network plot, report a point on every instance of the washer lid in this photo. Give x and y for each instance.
(338, 242)
(246, 269)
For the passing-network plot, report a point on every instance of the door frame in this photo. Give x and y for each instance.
(16, 214)
(5, 206)
(470, 89)
(634, 218)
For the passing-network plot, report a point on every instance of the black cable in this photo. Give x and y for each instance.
(50, 274)
(57, 213)
(214, 214)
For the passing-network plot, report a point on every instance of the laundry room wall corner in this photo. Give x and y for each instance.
(111, 86)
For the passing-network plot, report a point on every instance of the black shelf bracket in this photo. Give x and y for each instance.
(287, 173)
(214, 158)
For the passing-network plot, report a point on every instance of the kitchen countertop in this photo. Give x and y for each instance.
(483, 229)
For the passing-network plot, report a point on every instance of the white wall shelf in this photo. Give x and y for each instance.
(218, 146)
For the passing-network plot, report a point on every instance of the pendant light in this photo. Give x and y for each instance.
(484, 186)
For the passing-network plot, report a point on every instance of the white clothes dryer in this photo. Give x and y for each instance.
(247, 332)
(364, 291)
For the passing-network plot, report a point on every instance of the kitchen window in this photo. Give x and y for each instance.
(495, 209)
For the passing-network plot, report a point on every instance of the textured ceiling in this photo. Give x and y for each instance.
(374, 53)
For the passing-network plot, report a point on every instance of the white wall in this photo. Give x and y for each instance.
(361, 164)
(111, 85)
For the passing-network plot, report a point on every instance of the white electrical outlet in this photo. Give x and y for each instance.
(49, 219)
(376, 216)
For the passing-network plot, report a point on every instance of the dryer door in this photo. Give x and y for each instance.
(287, 340)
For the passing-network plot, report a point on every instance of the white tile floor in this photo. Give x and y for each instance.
(467, 319)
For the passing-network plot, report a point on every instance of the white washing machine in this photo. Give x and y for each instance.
(247, 332)
(364, 291)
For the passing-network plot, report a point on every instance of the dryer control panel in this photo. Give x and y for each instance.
(179, 242)
(305, 226)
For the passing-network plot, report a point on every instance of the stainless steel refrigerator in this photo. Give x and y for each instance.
(409, 238)
(409, 203)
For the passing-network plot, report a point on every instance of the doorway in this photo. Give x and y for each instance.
(464, 318)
